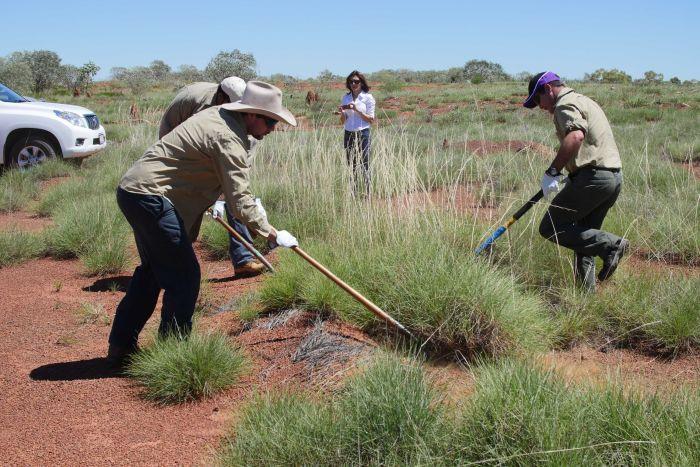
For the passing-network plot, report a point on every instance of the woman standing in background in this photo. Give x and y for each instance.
(357, 114)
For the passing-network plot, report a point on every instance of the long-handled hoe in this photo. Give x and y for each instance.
(354, 293)
(519, 213)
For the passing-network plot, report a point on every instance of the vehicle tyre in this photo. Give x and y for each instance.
(32, 151)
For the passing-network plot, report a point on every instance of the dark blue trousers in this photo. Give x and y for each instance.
(238, 253)
(168, 262)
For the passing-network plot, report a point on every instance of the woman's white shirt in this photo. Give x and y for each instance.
(364, 103)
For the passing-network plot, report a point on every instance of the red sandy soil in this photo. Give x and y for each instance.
(459, 199)
(22, 220)
(484, 147)
(648, 374)
(693, 167)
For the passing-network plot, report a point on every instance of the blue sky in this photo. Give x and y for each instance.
(303, 38)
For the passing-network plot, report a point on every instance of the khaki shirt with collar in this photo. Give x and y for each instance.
(191, 99)
(192, 165)
(574, 111)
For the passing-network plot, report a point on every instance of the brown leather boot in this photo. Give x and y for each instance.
(251, 268)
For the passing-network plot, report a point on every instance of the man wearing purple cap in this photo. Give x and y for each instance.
(590, 156)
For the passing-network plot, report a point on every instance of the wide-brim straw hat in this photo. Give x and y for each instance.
(263, 99)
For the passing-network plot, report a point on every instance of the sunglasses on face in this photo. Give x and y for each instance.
(355, 81)
(270, 122)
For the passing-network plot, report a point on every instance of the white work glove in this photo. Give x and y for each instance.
(258, 203)
(218, 210)
(286, 239)
(551, 185)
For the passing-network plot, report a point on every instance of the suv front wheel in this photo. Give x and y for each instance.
(30, 152)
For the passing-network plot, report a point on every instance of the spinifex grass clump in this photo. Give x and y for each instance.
(427, 285)
(17, 189)
(92, 229)
(521, 415)
(387, 415)
(17, 246)
(518, 414)
(174, 369)
(653, 311)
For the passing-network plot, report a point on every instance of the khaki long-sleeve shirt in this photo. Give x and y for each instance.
(191, 99)
(201, 158)
(574, 111)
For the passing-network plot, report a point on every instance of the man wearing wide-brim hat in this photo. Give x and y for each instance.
(164, 196)
(589, 154)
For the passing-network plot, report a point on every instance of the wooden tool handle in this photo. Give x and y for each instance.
(357, 295)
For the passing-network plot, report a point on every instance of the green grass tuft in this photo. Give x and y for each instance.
(388, 414)
(522, 415)
(519, 414)
(17, 246)
(175, 370)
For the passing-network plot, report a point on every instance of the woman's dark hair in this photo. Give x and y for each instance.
(361, 77)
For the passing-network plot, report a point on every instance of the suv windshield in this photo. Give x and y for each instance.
(8, 95)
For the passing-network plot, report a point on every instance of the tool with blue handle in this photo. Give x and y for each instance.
(499, 231)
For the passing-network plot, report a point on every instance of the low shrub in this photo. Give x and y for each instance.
(174, 369)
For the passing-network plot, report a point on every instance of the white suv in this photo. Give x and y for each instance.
(31, 131)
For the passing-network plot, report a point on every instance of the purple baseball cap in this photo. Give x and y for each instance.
(536, 83)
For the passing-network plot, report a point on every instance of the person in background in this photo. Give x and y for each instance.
(164, 196)
(194, 98)
(357, 115)
(590, 156)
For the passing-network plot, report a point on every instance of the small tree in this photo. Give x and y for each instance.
(287, 80)
(455, 75)
(523, 76)
(137, 78)
(16, 74)
(86, 75)
(118, 72)
(326, 76)
(487, 70)
(602, 75)
(653, 77)
(45, 67)
(675, 80)
(234, 63)
(69, 77)
(189, 74)
(160, 70)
